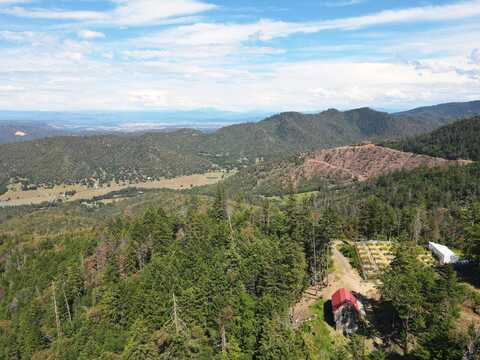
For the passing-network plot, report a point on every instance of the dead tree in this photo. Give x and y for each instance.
(67, 304)
(227, 315)
(55, 309)
(175, 316)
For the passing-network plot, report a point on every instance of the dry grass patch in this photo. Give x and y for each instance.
(16, 197)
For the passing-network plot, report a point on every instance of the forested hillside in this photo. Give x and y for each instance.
(206, 280)
(160, 286)
(104, 158)
(443, 113)
(459, 140)
(141, 275)
(183, 152)
(424, 204)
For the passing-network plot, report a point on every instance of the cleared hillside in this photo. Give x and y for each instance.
(362, 163)
(337, 166)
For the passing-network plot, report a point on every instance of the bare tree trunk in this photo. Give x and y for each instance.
(67, 304)
(223, 337)
(417, 226)
(175, 315)
(55, 308)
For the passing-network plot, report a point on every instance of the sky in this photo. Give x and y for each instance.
(237, 55)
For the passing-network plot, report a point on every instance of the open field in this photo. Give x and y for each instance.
(16, 197)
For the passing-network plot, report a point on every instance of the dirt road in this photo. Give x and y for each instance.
(342, 276)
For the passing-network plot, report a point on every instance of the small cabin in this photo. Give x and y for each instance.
(347, 311)
(442, 253)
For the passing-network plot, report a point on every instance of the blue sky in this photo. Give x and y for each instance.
(241, 55)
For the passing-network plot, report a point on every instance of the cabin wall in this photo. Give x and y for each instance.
(346, 319)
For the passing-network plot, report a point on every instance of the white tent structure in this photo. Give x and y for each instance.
(443, 253)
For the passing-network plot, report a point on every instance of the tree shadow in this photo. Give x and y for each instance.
(469, 273)
(380, 321)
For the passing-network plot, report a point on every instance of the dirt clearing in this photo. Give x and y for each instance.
(342, 276)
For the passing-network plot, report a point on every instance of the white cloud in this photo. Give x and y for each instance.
(342, 3)
(17, 36)
(170, 85)
(475, 56)
(145, 12)
(141, 12)
(126, 12)
(463, 10)
(90, 35)
(27, 37)
(221, 34)
(12, 2)
(145, 54)
(214, 64)
(149, 98)
(205, 52)
(54, 14)
(266, 30)
(10, 88)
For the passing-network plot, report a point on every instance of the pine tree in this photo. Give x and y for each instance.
(140, 345)
(278, 342)
(404, 286)
(472, 231)
(219, 207)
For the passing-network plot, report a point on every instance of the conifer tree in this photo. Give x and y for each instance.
(140, 345)
(219, 207)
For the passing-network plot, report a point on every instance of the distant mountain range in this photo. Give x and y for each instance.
(443, 112)
(186, 151)
(40, 124)
(14, 131)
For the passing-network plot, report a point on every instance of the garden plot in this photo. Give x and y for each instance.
(375, 256)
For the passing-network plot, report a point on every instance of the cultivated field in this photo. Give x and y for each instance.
(375, 256)
(16, 197)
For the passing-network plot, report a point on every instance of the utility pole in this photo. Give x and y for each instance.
(55, 308)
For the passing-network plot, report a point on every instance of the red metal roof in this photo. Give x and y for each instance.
(343, 296)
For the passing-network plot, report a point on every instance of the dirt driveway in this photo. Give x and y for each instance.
(342, 276)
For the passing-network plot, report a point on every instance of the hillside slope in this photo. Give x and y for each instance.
(336, 166)
(183, 152)
(14, 131)
(459, 140)
(443, 113)
(103, 158)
